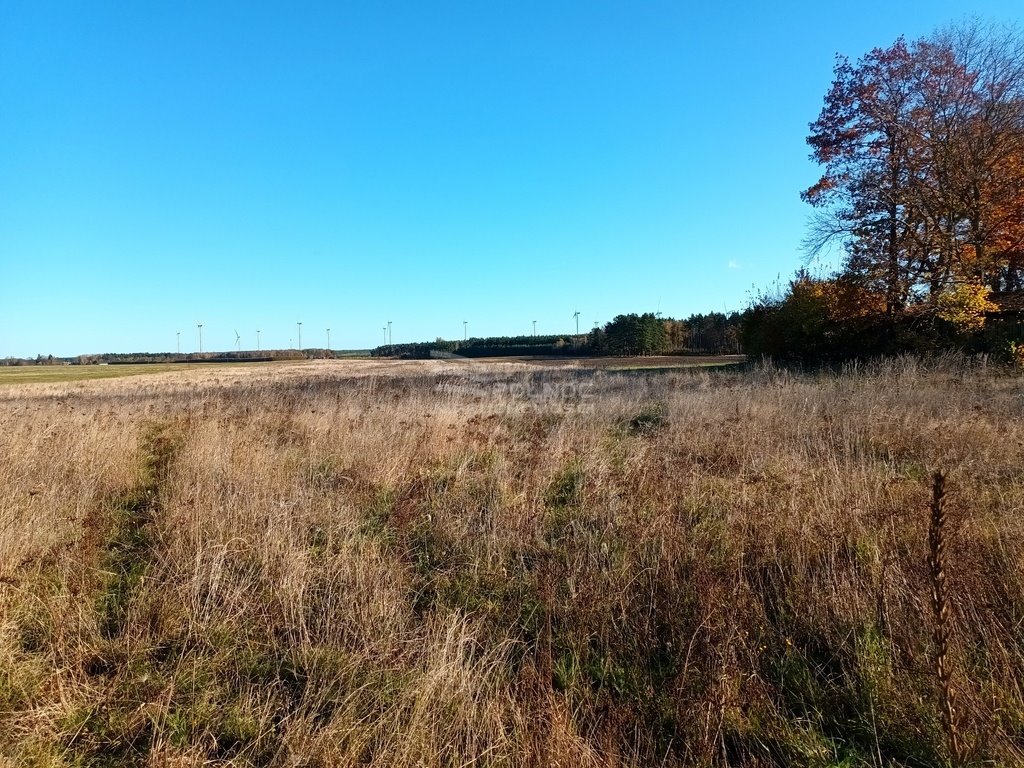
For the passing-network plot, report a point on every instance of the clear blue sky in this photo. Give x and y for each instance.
(250, 165)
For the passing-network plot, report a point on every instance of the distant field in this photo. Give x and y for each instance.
(55, 374)
(48, 374)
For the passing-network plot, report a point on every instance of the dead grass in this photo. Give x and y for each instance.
(447, 564)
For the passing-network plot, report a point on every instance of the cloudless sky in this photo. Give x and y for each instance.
(250, 165)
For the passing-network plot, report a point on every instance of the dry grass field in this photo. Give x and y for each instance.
(493, 564)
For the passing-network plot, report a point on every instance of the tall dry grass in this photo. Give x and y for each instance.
(443, 564)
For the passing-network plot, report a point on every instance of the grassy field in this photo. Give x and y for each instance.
(433, 563)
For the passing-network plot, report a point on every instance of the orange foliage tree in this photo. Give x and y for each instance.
(922, 149)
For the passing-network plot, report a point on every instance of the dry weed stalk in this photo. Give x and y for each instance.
(940, 614)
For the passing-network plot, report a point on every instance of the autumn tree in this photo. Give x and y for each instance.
(814, 318)
(973, 120)
(863, 138)
(922, 149)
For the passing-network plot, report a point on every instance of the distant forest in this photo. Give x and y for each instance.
(627, 335)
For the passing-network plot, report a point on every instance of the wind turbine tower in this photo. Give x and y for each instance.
(238, 341)
(299, 323)
(200, 325)
(328, 339)
(257, 339)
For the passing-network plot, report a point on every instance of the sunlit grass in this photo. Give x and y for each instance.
(442, 563)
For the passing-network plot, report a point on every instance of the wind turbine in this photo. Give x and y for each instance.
(257, 339)
(535, 329)
(238, 341)
(328, 339)
(389, 333)
(385, 329)
(465, 330)
(178, 334)
(200, 325)
(576, 314)
(299, 323)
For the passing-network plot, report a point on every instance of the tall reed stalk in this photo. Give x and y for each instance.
(940, 615)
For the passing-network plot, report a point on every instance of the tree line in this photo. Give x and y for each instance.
(626, 335)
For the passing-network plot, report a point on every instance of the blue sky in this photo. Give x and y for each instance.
(250, 165)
